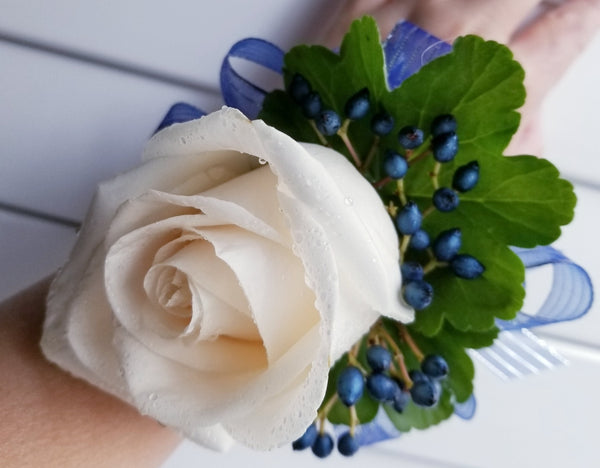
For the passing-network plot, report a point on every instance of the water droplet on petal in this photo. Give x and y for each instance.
(262, 161)
(152, 396)
(348, 201)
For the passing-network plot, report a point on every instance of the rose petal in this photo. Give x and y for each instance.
(342, 201)
(77, 340)
(177, 395)
(284, 312)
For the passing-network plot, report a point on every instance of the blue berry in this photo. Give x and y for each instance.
(466, 177)
(379, 358)
(299, 88)
(382, 124)
(411, 271)
(381, 387)
(408, 219)
(445, 147)
(394, 165)
(418, 294)
(424, 393)
(311, 105)
(350, 385)
(445, 199)
(417, 376)
(419, 240)
(358, 105)
(328, 122)
(443, 124)
(434, 366)
(401, 399)
(307, 439)
(347, 444)
(447, 244)
(466, 266)
(323, 445)
(410, 137)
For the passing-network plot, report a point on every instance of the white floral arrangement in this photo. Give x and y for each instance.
(245, 282)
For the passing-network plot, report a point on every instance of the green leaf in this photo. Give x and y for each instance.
(359, 64)
(474, 304)
(416, 417)
(479, 83)
(336, 77)
(519, 201)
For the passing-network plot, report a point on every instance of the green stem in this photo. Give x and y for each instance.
(410, 342)
(432, 265)
(322, 414)
(401, 194)
(371, 155)
(353, 420)
(434, 175)
(322, 139)
(428, 211)
(398, 356)
(343, 134)
(404, 245)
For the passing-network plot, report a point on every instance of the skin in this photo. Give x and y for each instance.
(545, 45)
(51, 419)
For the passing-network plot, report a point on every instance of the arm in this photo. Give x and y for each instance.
(48, 418)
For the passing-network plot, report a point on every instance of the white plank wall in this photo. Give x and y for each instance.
(83, 85)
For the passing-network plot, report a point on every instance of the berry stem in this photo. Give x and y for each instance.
(432, 265)
(392, 209)
(322, 139)
(382, 182)
(355, 362)
(401, 194)
(430, 209)
(343, 134)
(398, 356)
(415, 155)
(410, 342)
(434, 175)
(353, 420)
(404, 245)
(371, 155)
(322, 414)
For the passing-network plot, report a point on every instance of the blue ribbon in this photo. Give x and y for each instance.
(406, 50)
(239, 92)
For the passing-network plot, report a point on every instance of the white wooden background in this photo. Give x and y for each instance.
(83, 85)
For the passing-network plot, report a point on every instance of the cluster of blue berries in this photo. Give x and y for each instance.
(385, 386)
(329, 122)
(417, 292)
(443, 145)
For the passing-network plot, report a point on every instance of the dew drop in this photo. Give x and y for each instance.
(348, 201)
(262, 161)
(152, 396)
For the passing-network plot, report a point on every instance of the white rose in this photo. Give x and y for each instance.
(213, 291)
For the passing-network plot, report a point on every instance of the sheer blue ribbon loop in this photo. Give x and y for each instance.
(407, 49)
(180, 112)
(466, 409)
(570, 296)
(238, 91)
